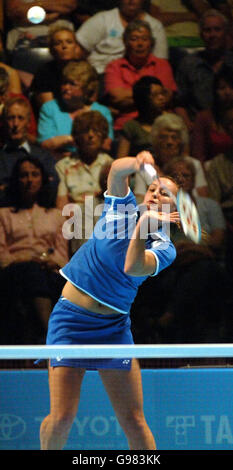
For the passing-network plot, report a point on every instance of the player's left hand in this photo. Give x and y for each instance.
(171, 217)
(151, 220)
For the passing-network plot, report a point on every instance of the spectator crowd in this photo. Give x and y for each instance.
(96, 81)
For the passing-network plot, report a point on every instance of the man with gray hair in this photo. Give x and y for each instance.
(195, 74)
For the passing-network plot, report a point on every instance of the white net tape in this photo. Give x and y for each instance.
(113, 351)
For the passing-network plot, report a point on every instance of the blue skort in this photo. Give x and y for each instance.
(71, 324)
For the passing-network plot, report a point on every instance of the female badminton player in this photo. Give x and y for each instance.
(103, 277)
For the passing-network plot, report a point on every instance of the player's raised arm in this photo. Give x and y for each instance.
(122, 168)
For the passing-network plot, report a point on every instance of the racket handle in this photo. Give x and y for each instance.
(149, 173)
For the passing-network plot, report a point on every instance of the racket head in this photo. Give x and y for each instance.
(189, 216)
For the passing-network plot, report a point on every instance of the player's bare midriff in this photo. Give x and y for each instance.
(80, 298)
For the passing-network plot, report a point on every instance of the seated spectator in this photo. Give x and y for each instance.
(5, 95)
(170, 139)
(63, 48)
(80, 175)
(107, 42)
(121, 74)
(196, 72)
(209, 138)
(32, 250)
(224, 6)
(78, 92)
(181, 17)
(151, 99)
(24, 40)
(16, 121)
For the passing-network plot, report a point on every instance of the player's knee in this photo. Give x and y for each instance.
(134, 422)
(62, 422)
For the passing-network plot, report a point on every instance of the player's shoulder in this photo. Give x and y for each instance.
(116, 201)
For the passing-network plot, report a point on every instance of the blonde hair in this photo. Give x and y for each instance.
(83, 72)
(60, 25)
(173, 122)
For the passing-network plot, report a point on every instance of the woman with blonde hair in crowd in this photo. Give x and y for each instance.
(78, 93)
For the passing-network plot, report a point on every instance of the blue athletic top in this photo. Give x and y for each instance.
(97, 268)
